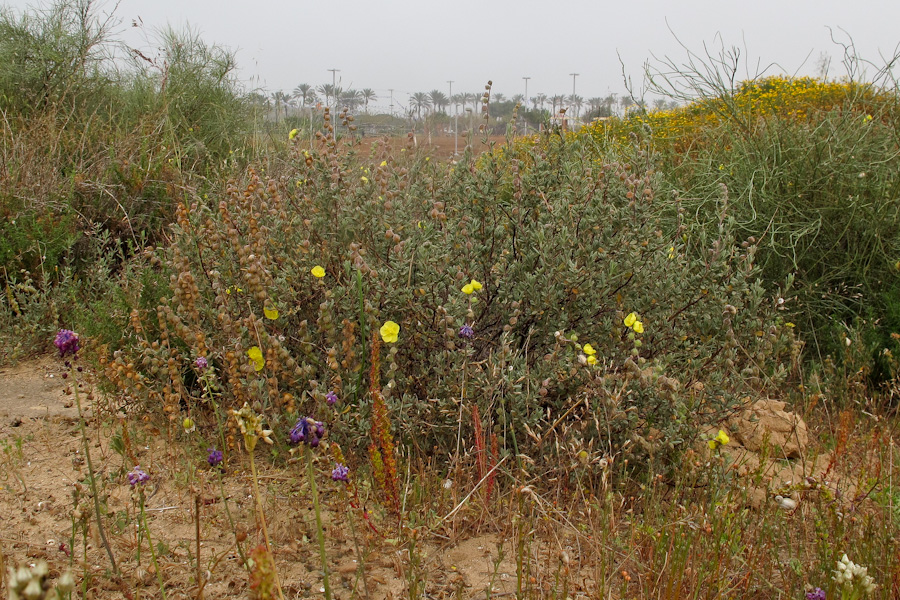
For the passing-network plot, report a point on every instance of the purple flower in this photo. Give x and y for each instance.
(215, 457)
(331, 398)
(66, 342)
(138, 476)
(816, 594)
(466, 331)
(201, 363)
(340, 472)
(307, 430)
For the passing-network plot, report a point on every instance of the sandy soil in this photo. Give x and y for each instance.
(42, 462)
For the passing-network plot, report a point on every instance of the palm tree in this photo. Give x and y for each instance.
(538, 100)
(518, 99)
(351, 99)
(419, 100)
(368, 95)
(476, 101)
(498, 97)
(576, 102)
(609, 102)
(281, 99)
(557, 100)
(305, 93)
(659, 104)
(626, 102)
(457, 100)
(438, 99)
(327, 90)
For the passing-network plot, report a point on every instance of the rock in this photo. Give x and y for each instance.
(767, 423)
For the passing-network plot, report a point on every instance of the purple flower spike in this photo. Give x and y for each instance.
(67, 342)
(816, 594)
(138, 476)
(215, 457)
(466, 332)
(331, 398)
(201, 363)
(307, 430)
(340, 473)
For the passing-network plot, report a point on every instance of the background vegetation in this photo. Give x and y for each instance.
(583, 308)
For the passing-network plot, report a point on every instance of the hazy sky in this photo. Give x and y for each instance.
(415, 46)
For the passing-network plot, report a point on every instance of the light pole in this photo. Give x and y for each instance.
(574, 75)
(526, 103)
(334, 73)
(455, 121)
(391, 90)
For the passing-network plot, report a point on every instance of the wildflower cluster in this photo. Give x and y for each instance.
(67, 342)
(31, 583)
(215, 457)
(307, 430)
(340, 473)
(137, 476)
(720, 440)
(251, 427)
(854, 577)
(633, 322)
(390, 332)
(816, 594)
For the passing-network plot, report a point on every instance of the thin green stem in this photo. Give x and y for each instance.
(143, 522)
(93, 482)
(321, 532)
(231, 519)
(262, 522)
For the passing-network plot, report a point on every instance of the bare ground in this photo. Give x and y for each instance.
(42, 462)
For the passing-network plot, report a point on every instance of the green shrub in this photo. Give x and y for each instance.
(564, 248)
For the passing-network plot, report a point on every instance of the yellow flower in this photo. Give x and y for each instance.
(720, 440)
(591, 359)
(384, 163)
(476, 286)
(468, 288)
(271, 313)
(390, 331)
(256, 357)
(630, 319)
(589, 350)
(671, 252)
(364, 179)
(318, 271)
(638, 327)
(293, 133)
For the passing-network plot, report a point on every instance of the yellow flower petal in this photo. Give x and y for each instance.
(722, 437)
(589, 350)
(468, 289)
(591, 359)
(256, 357)
(390, 331)
(293, 133)
(271, 313)
(475, 285)
(318, 271)
(630, 319)
(638, 327)
(384, 163)
(364, 179)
